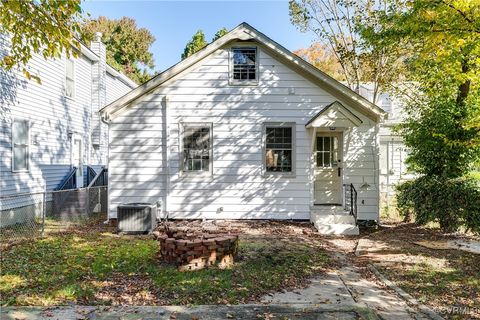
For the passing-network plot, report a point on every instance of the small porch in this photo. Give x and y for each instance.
(333, 204)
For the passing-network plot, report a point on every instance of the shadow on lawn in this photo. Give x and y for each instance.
(104, 268)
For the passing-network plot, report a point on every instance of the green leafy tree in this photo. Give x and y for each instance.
(128, 46)
(195, 44)
(198, 42)
(220, 33)
(440, 127)
(45, 27)
(336, 25)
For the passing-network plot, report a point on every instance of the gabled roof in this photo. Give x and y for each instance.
(349, 115)
(245, 32)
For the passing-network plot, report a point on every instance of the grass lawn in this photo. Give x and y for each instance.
(104, 268)
(441, 279)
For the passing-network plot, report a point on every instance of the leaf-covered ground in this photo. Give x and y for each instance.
(100, 267)
(441, 279)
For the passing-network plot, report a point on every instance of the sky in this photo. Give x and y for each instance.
(173, 23)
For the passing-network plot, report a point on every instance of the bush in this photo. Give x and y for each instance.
(452, 203)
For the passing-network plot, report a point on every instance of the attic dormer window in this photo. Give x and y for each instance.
(244, 66)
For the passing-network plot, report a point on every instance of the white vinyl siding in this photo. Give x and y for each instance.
(145, 154)
(20, 145)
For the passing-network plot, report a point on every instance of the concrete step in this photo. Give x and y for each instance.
(337, 229)
(321, 219)
(328, 210)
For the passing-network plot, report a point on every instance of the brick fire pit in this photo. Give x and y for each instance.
(197, 250)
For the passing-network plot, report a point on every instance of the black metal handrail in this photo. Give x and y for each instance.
(350, 203)
(101, 179)
(70, 181)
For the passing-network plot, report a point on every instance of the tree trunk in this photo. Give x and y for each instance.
(464, 88)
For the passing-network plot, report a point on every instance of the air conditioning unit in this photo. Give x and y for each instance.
(136, 218)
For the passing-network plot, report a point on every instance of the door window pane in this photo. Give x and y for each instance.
(327, 149)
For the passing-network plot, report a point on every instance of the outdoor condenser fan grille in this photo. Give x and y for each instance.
(136, 217)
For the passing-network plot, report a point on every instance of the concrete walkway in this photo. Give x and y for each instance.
(347, 288)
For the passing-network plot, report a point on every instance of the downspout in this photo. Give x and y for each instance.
(376, 165)
(106, 120)
(167, 159)
(312, 170)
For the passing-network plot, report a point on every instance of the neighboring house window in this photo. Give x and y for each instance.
(20, 145)
(196, 144)
(244, 65)
(70, 79)
(279, 148)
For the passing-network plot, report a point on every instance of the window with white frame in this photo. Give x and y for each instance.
(196, 144)
(20, 145)
(279, 148)
(244, 65)
(70, 78)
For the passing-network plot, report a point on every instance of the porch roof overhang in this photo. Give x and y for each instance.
(334, 115)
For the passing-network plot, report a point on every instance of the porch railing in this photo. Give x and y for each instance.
(70, 181)
(350, 204)
(101, 179)
(91, 174)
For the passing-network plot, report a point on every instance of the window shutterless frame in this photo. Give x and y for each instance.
(27, 145)
(69, 78)
(291, 125)
(242, 82)
(182, 128)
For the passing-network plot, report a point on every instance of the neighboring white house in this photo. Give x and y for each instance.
(48, 128)
(393, 151)
(244, 129)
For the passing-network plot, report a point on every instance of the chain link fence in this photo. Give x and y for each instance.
(31, 215)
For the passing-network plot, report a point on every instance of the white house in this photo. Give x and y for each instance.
(244, 129)
(49, 128)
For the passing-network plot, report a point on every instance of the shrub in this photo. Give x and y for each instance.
(452, 203)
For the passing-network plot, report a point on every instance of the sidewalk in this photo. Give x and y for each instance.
(213, 312)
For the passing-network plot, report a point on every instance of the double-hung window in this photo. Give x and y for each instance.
(279, 148)
(20, 145)
(244, 66)
(196, 148)
(70, 78)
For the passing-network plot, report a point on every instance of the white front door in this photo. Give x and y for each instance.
(328, 168)
(77, 158)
